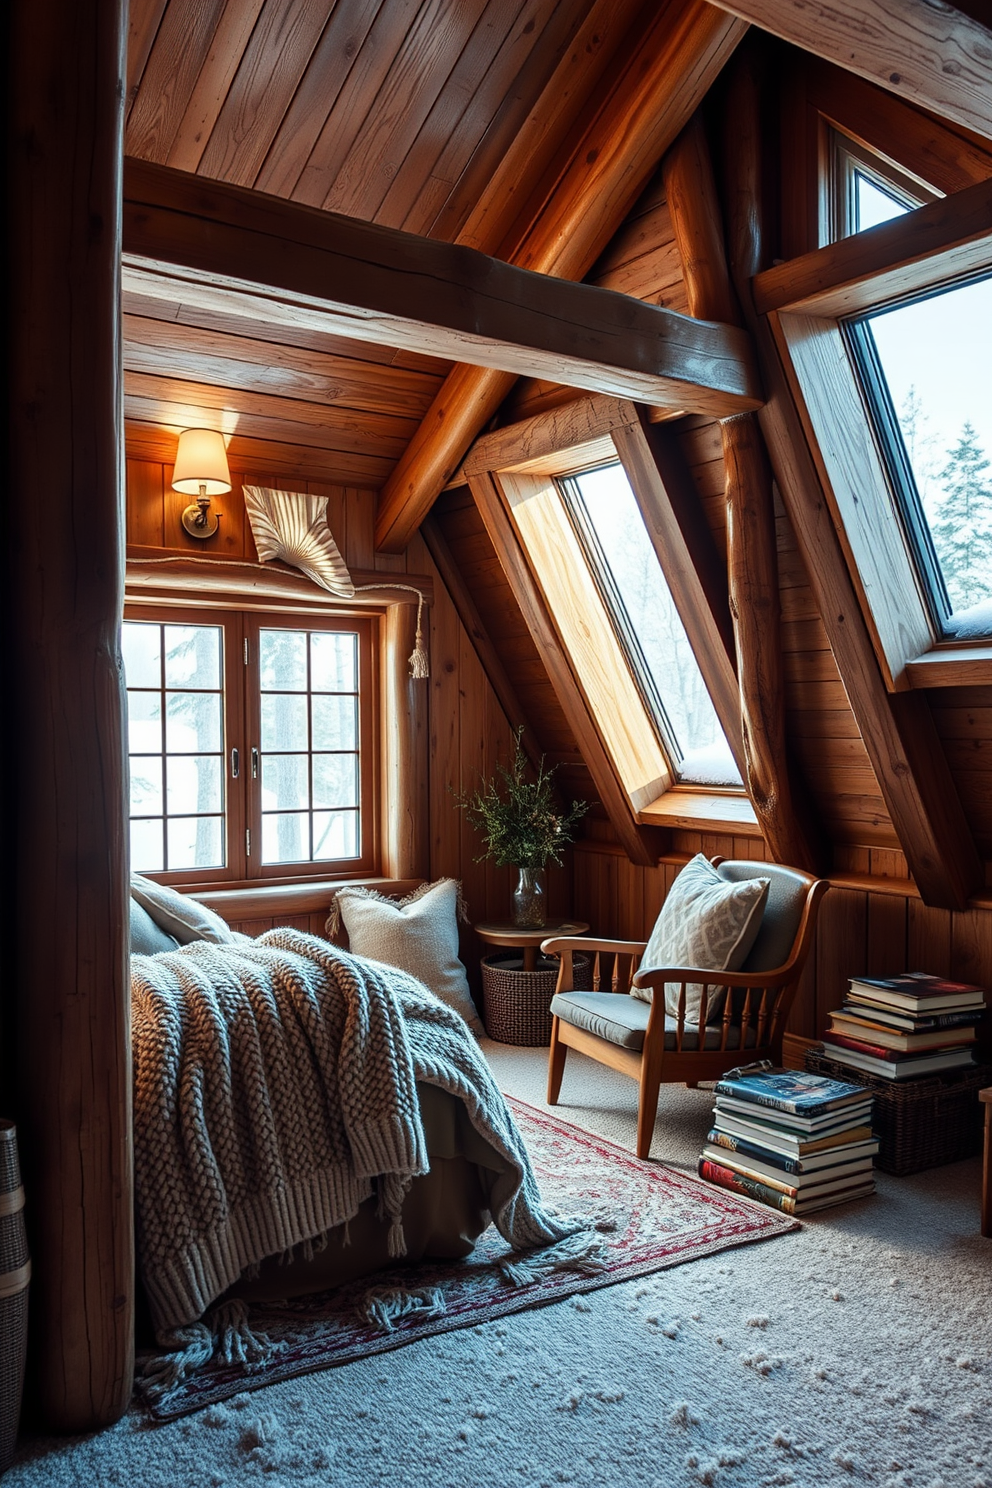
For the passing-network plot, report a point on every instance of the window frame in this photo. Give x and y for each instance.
(848, 158)
(241, 713)
(810, 303)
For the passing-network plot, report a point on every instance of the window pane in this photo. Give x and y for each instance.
(144, 722)
(283, 660)
(142, 650)
(195, 842)
(873, 205)
(335, 722)
(285, 782)
(335, 780)
(333, 662)
(636, 592)
(285, 837)
(284, 721)
(335, 834)
(934, 359)
(147, 854)
(193, 784)
(146, 786)
(192, 655)
(192, 722)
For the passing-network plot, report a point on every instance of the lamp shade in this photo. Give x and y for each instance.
(201, 460)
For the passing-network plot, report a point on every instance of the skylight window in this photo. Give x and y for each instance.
(924, 366)
(618, 549)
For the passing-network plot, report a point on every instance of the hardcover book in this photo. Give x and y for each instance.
(917, 991)
(789, 1143)
(838, 1039)
(897, 1018)
(795, 1092)
(786, 1162)
(877, 1034)
(725, 1177)
(808, 1126)
(903, 1069)
(793, 1183)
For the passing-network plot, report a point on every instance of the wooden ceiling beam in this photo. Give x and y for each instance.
(440, 298)
(927, 52)
(677, 57)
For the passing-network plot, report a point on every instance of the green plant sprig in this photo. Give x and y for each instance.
(519, 820)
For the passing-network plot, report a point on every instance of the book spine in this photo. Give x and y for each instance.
(749, 1187)
(753, 1149)
(861, 1046)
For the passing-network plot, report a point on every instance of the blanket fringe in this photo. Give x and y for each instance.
(384, 1307)
(582, 1253)
(224, 1335)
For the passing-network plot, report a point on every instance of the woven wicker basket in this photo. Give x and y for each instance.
(516, 1004)
(15, 1273)
(922, 1122)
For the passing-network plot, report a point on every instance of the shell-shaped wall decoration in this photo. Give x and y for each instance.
(293, 527)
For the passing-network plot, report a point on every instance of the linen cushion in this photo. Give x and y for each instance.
(706, 922)
(419, 934)
(147, 938)
(623, 1021)
(178, 915)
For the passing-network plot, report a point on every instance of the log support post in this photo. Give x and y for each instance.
(752, 553)
(66, 943)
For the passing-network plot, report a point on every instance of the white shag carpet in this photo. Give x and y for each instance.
(855, 1351)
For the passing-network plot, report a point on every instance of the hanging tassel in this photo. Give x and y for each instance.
(419, 668)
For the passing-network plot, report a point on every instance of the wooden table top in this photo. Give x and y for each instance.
(513, 935)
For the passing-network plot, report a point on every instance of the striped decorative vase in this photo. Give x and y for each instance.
(15, 1273)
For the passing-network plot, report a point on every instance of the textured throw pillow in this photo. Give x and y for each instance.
(419, 934)
(147, 938)
(707, 922)
(180, 916)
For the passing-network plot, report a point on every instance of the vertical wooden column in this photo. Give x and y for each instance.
(752, 555)
(67, 939)
(406, 826)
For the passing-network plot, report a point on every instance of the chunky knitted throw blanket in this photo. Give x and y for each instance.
(274, 1091)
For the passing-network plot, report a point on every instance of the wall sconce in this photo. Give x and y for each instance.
(201, 471)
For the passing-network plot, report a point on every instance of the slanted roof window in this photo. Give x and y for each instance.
(868, 190)
(611, 530)
(923, 366)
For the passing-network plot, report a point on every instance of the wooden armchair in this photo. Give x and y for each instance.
(640, 1040)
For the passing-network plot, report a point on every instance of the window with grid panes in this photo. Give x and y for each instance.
(250, 745)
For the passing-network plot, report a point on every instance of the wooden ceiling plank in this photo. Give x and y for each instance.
(675, 62)
(144, 19)
(180, 48)
(340, 48)
(164, 312)
(933, 55)
(380, 149)
(213, 83)
(219, 241)
(170, 350)
(281, 45)
(354, 99)
(256, 457)
(347, 428)
(950, 237)
(640, 844)
(468, 108)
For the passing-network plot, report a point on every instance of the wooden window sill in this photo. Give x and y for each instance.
(952, 666)
(702, 811)
(268, 901)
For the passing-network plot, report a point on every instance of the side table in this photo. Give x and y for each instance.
(517, 988)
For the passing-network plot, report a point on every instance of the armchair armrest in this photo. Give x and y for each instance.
(657, 976)
(556, 944)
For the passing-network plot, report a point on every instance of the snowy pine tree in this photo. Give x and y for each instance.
(961, 522)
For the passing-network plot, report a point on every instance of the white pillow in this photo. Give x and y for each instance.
(419, 934)
(706, 922)
(185, 918)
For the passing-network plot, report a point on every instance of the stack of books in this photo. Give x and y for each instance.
(907, 1026)
(791, 1139)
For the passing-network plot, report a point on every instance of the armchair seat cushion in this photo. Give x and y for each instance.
(623, 1020)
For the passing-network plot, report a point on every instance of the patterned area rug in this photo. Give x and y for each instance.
(650, 1217)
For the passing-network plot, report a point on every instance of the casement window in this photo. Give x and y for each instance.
(251, 745)
(922, 365)
(614, 540)
(866, 190)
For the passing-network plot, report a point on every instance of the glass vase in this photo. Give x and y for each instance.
(528, 900)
